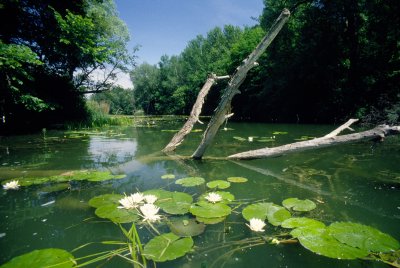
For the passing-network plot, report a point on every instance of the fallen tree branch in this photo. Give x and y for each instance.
(377, 133)
(341, 128)
(224, 107)
(194, 114)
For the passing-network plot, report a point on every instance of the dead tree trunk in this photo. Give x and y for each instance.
(331, 139)
(194, 114)
(237, 79)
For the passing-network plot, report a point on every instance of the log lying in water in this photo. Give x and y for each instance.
(331, 139)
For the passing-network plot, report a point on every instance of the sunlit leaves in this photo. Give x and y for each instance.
(167, 247)
(168, 177)
(105, 199)
(190, 181)
(175, 203)
(220, 184)
(273, 213)
(237, 179)
(50, 257)
(299, 205)
(302, 222)
(362, 236)
(117, 215)
(208, 210)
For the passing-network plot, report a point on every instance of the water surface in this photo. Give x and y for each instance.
(357, 182)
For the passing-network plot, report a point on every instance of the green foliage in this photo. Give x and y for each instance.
(218, 184)
(49, 257)
(237, 179)
(120, 100)
(363, 237)
(273, 213)
(77, 175)
(299, 205)
(45, 73)
(167, 247)
(115, 214)
(205, 209)
(190, 181)
(185, 226)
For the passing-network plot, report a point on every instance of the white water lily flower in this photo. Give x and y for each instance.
(256, 225)
(149, 212)
(131, 201)
(150, 198)
(12, 185)
(213, 197)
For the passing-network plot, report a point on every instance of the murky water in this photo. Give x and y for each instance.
(356, 182)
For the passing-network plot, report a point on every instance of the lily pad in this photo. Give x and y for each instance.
(210, 220)
(237, 179)
(168, 177)
(299, 205)
(239, 138)
(177, 203)
(105, 199)
(160, 193)
(363, 237)
(117, 215)
(53, 257)
(54, 188)
(302, 222)
(227, 197)
(167, 247)
(318, 240)
(185, 226)
(273, 213)
(208, 210)
(279, 133)
(77, 175)
(266, 140)
(190, 181)
(220, 184)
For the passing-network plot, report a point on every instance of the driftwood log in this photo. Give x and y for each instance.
(194, 114)
(224, 108)
(377, 133)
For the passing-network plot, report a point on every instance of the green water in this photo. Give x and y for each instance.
(356, 182)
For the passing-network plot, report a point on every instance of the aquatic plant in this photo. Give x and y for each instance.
(11, 185)
(156, 209)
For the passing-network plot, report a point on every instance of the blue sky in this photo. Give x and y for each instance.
(165, 26)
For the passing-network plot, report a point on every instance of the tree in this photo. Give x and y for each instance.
(44, 73)
(120, 100)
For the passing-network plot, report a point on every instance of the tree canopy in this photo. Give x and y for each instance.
(333, 60)
(49, 51)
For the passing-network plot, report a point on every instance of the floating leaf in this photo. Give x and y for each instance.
(77, 175)
(185, 226)
(53, 257)
(319, 241)
(302, 222)
(208, 210)
(273, 213)
(239, 138)
(117, 215)
(167, 247)
(190, 181)
(304, 138)
(266, 140)
(160, 193)
(210, 220)
(258, 211)
(176, 203)
(168, 177)
(363, 237)
(227, 197)
(279, 133)
(299, 205)
(236, 179)
(105, 199)
(53, 188)
(220, 184)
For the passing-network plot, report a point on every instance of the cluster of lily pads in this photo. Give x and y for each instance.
(188, 215)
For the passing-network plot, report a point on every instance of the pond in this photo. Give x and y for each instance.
(357, 183)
